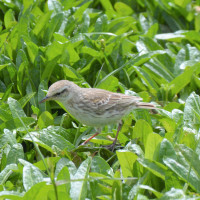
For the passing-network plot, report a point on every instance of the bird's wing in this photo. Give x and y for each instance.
(101, 100)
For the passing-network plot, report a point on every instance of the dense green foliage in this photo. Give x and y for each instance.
(145, 48)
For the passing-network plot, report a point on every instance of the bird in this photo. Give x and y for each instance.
(94, 107)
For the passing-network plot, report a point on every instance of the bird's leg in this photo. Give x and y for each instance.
(97, 133)
(112, 146)
(118, 129)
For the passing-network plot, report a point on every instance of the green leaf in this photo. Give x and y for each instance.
(25, 99)
(182, 80)
(65, 188)
(123, 9)
(4, 65)
(152, 146)
(15, 108)
(41, 23)
(31, 176)
(184, 162)
(32, 50)
(50, 161)
(141, 130)
(38, 191)
(126, 160)
(49, 67)
(191, 115)
(9, 19)
(7, 92)
(110, 84)
(17, 124)
(155, 167)
(79, 187)
(5, 173)
(7, 138)
(11, 195)
(45, 119)
(16, 152)
(64, 162)
(22, 77)
(50, 140)
(109, 9)
(99, 165)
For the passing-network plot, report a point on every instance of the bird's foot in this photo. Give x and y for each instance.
(112, 146)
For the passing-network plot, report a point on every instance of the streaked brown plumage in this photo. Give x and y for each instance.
(94, 107)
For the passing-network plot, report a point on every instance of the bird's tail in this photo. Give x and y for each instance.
(146, 105)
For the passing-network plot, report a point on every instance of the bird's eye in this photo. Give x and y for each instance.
(59, 93)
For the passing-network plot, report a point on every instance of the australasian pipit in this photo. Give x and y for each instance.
(94, 107)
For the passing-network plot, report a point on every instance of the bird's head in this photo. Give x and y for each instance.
(60, 91)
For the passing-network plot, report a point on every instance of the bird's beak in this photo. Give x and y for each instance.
(44, 99)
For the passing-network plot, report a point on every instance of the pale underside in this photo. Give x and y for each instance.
(100, 109)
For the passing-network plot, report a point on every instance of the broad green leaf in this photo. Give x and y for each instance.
(23, 23)
(176, 36)
(7, 92)
(169, 124)
(141, 130)
(53, 26)
(25, 99)
(41, 23)
(16, 152)
(191, 115)
(64, 188)
(79, 187)
(15, 108)
(184, 163)
(123, 9)
(38, 191)
(50, 161)
(174, 193)
(64, 162)
(6, 172)
(22, 77)
(41, 94)
(171, 180)
(8, 137)
(45, 119)
(55, 6)
(110, 84)
(69, 72)
(17, 124)
(152, 146)
(109, 8)
(99, 165)
(186, 173)
(91, 52)
(9, 19)
(105, 179)
(126, 160)
(32, 50)
(155, 167)
(116, 190)
(49, 67)
(79, 12)
(191, 157)
(156, 193)
(50, 140)
(31, 176)
(101, 25)
(4, 65)
(182, 80)
(166, 148)
(11, 195)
